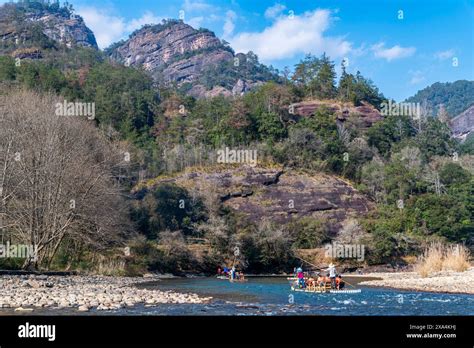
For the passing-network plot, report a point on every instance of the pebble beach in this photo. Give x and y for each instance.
(444, 281)
(83, 293)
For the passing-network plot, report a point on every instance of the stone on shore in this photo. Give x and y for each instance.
(444, 281)
(85, 293)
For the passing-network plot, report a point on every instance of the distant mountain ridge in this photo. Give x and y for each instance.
(456, 97)
(175, 54)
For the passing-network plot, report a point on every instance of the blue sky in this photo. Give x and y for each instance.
(402, 45)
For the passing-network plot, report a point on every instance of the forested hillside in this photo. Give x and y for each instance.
(407, 179)
(455, 97)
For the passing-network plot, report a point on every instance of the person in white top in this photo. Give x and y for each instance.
(332, 275)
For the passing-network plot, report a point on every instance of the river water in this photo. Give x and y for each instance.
(273, 296)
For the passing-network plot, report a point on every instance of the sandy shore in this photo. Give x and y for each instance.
(445, 281)
(25, 293)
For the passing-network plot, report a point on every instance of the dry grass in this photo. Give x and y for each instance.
(431, 260)
(114, 267)
(438, 257)
(456, 258)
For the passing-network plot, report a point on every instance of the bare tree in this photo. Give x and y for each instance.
(58, 178)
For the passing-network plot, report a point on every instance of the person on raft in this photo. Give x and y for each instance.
(236, 275)
(310, 282)
(300, 276)
(225, 271)
(332, 275)
(322, 280)
(339, 282)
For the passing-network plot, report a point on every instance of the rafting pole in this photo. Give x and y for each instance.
(345, 281)
(308, 262)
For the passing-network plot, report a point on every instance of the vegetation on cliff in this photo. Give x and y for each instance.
(420, 180)
(455, 97)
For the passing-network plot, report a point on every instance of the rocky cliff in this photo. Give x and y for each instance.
(35, 25)
(363, 116)
(197, 61)
(463, 124)
(278, 195)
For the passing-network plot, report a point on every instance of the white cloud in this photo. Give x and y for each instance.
(274, 11)
(289, 36)
(443, 55)
(416, 77)
(147, 18)
(392, 53)
(195, 22)
(196, 5)
(229, 24)
(107, 28)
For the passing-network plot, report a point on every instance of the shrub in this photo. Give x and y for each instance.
(456, 258)
(439, 257)
(431, 260)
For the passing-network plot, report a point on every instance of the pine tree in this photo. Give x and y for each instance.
(306, 72)
(346, 86)
(324, 85)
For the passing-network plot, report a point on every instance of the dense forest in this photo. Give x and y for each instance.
(452, 98)
(421, 180)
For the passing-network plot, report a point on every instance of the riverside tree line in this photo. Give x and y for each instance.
(69, 193)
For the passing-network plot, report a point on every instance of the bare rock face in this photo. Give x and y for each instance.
(176, 54)
(173, 52)
(153, 47)
(363, 116)
(280, 196)
(463, 124)
(29, 25)
(70, 31)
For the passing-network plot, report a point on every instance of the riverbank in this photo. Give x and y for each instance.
(84, 293)
(443, 282)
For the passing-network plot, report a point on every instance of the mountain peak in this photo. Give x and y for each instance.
(195, 60)
(153, 46)
(38, 24)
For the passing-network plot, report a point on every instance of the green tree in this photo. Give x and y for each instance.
(168, 207)
(452, 174)
(124, 98)
(391, 130)
(323, 86)
(7, 68)
(435, 139)
(347, 86)
(306, 71)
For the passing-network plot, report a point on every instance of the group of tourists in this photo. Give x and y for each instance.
(330, 280)
(230, 273)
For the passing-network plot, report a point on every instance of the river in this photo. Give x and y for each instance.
(272, 296)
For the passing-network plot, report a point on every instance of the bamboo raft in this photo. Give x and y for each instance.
(322, 290)
(232, 280)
